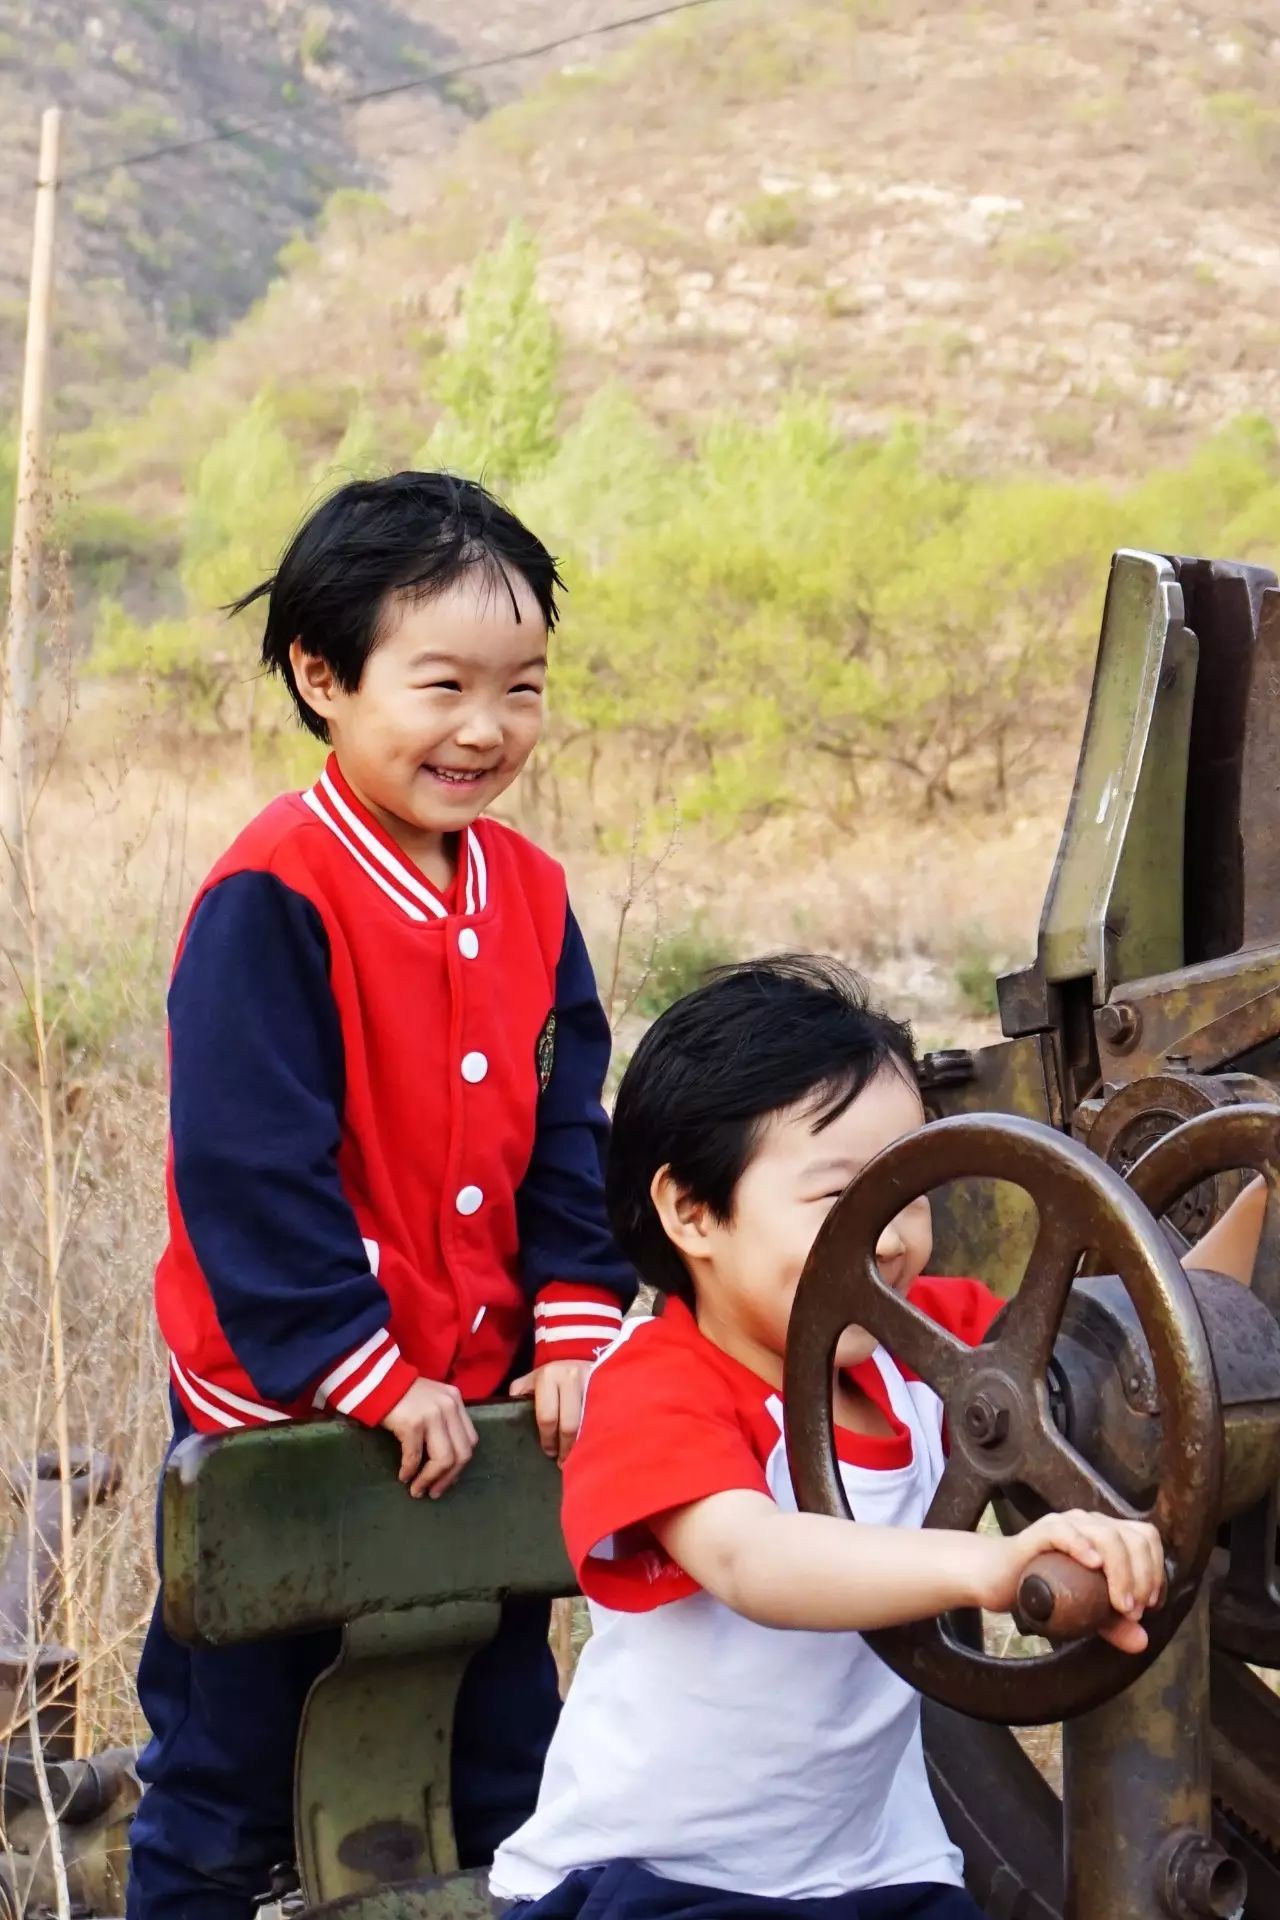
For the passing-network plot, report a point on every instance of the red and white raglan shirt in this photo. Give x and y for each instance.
(386, 1131)
(698, 1745)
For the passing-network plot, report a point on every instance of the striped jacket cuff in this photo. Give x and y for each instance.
(365, 1385)
(573, 1322)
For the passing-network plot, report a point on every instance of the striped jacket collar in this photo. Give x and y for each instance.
(377, 855)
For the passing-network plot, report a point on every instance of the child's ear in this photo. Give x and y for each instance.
(685, 1221)
(314, 679)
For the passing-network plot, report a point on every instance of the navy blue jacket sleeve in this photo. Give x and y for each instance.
(257, 1087)
(564, 1229)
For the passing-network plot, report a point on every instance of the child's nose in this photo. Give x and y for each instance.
(890, 1245)
(479, 728)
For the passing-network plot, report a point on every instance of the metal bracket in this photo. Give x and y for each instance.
(392, 1691)
(1114, 907)
(291, 1528)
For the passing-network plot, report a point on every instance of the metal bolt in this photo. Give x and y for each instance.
(985, 1421)
(1198, 1881)
(1120, 1025)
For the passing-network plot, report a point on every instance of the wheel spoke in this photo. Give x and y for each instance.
(962, 1497)
(1063, 1478)
(921, 1345)
(1031, 1320)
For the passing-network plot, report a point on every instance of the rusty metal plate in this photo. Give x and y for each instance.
(987, 1227)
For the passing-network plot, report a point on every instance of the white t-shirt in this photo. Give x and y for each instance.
(694, 1742)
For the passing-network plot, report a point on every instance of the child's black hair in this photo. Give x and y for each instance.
(795, 1030)
(414, 534)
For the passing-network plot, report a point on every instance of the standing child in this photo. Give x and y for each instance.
(731, 1748)
(386, 1164)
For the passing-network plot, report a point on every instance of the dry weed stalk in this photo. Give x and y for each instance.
(81, 1113)
(640, 884)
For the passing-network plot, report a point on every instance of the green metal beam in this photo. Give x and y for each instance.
(290, 1528)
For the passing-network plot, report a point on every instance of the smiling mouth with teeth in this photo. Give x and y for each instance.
(453, 777)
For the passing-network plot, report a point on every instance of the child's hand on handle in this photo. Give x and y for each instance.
(1129, 1554)
(556, 1389)
(436, 1437)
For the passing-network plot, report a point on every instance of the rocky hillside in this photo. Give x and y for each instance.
(1047, 231)
(155, 257)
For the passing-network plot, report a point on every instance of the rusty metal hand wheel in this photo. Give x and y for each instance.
(1246, 1602)
(1002, 1432)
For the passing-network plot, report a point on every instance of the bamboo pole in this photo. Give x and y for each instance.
(17, 688)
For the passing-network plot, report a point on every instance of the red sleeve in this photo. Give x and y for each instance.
(965, 1308)
(659, 1430)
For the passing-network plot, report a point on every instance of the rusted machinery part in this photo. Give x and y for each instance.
(95, 1799)
(1131, 1120)
(1008, 1820)
(451, 1896)
(1001, 1426)
(94, 1476)
(1246, 1598)
(1227, 1139)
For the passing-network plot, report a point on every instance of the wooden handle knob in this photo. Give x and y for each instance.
(1061, 1600)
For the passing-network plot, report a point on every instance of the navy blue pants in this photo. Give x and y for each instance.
(217, 1814)
(625, 1891)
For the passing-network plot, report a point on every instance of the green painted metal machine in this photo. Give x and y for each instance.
(1137, 1086)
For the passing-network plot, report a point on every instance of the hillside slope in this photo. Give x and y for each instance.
(1044, 230)
(155, 257)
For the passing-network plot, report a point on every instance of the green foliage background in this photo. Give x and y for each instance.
(773, 618)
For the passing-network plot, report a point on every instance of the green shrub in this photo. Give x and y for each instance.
(773, 219)
(498, 387)
(679, 963)
(975, 977)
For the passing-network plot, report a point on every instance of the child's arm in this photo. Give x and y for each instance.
(580, 1283)
(1231, 1244)
(256, 1121)
(807, 1571)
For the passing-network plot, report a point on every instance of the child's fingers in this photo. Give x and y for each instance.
(1127, 1635)
(1146, 1551)
(546, 1407)
(441, 1454)
(570, 1413)
(1067, 1533)
(522, 1388)
(1133, 1561)
(462, 1435)
(411, 1443)
(1154, 1546)
(450, 1444)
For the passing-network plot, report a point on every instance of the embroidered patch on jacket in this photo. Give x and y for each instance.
(546, 1054)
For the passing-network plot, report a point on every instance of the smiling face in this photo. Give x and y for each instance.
(745, 1269)
(448, 709)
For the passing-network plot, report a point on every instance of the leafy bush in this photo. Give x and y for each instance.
(770, 619)
(498, 385)
(678, 964)
(975, 978)
(773, 219)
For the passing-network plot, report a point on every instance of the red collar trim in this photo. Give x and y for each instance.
(376, 853)
(882, 1451)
